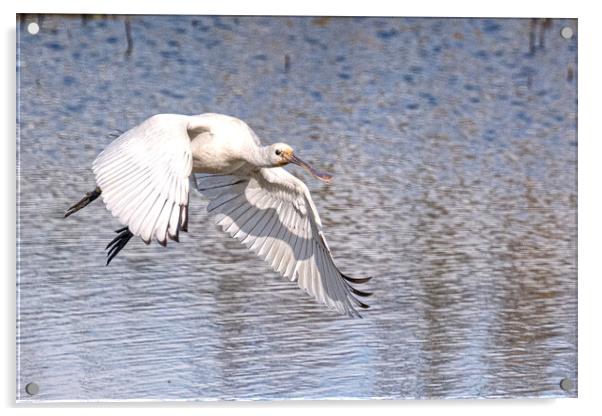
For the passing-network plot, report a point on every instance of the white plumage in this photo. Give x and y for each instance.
(144, 178)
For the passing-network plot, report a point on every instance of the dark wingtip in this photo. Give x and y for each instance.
(357, 292)
(360, 292)
(112, 242)
(357, 314)
(124, 235)
(363, 305)
(115, 133)
(111, 257)
(357, 280)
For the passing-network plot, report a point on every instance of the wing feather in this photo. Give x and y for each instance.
(162, 223)
(144, 175)
(267, 239)
(260, 219)
(272, 214)
(254, 238)
(303, 278)
(262, 236)
(321, 268)
(148, 224)
(277, 235)
(250, 218)
(284, 255)
(288, 273)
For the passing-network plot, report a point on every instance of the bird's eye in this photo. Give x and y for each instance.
(278, 151)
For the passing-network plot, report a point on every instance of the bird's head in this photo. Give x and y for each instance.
(282, 154)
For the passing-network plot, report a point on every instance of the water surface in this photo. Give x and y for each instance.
(453, 144)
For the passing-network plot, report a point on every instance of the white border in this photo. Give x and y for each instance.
(590, 208)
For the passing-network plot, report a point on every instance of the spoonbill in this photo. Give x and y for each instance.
(144, 177)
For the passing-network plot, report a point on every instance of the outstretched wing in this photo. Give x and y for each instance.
(273, 215)
(144, 177)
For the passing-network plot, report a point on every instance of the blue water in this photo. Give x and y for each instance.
(454, 149)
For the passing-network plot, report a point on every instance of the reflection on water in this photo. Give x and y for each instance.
(453, 144)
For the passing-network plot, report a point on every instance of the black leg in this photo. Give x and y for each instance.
(89, 197)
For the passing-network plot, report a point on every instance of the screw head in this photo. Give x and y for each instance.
(33, 28)
(566, 32)
(566, 384)
(32, 389)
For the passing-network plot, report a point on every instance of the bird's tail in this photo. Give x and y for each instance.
(89, 197)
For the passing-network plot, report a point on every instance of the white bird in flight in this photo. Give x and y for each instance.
(144, 178)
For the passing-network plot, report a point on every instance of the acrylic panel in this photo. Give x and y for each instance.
(453, 147)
